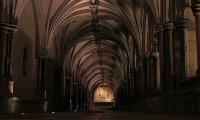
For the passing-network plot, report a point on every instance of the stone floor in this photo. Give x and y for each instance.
(107, 115)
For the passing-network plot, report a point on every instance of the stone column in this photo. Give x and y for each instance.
(129, 90)
(80, 99)
(159, 31)
(140, 80)
(59, 87)
(196, 10)
(125, 90)
(41, 61)
(169, 77)
(135, 84)
(182, 27)
(68, 91)
(75, 96)
(3, 38)
(146, 78)
(6, 40)
(156, 55)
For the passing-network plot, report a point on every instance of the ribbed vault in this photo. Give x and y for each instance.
(102, 63)
(97, 42)
(73, 47)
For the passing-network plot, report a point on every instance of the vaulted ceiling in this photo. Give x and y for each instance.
(98, 41)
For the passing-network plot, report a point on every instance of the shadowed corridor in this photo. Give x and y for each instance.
(100, 59)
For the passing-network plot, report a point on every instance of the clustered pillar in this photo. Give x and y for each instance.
(183, 33)
(181, 50)
(196, 11)
(75, 96)
(42, 60)
(169, 56)
(159, 32)
(6, 39)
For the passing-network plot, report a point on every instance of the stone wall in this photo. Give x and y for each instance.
(185, 101)
(24, 85)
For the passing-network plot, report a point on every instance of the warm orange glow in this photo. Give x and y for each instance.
(103, 94)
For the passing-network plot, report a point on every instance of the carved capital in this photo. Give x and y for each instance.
(183, 23)
(169, 26)
(42, 53)
(147, 55)
(196, 7)
(159, 27)
(8, 27)
(42, 56)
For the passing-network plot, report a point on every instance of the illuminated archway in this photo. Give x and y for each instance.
(103, 94)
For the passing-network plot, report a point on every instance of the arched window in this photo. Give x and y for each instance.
(25, 61)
